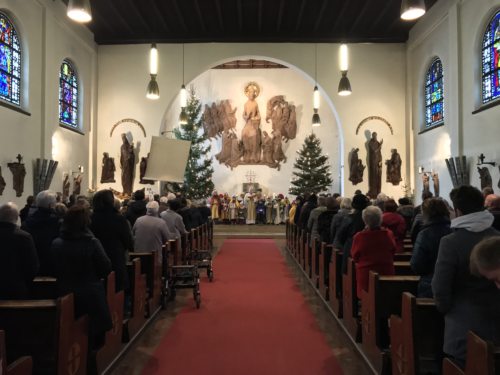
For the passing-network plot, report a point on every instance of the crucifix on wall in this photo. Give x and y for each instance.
(250, 186)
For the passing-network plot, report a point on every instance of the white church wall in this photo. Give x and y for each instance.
(47, 37)
(452, 30)
(377, 75)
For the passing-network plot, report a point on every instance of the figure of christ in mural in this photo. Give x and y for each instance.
(127, 163)
(251, 131)
(374, 166)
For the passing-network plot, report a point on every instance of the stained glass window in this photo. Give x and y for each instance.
(434, 113)
(10, 62)
(68, 95)
(491, 60)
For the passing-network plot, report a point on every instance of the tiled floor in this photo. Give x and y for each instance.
(350, 360)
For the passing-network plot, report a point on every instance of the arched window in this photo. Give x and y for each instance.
(434, 114)
(491, 60)
(68, 95)
(10, 62)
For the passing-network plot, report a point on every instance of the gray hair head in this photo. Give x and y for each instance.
(346, 203)
(152, 208)
(9, 213)
(46, 199)
(372, 216)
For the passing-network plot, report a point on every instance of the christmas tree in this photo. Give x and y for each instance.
(198, 175)
(312, 173)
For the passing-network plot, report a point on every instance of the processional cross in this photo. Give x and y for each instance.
(250, 175)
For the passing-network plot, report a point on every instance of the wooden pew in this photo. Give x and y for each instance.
(416, 337)
(113, 338)
(138, 293)
(151, 266)
(382, 300)
(335, 290)
(350, 305)
(323, 270)
(403, 257)
(403, 268)
(44, 288)
(21, 366)
(47, 331)
(482, 358)
(308, 256)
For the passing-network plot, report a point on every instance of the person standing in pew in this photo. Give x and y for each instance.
(43, 225)
(18, 259)
(80, 263)
(114, 232)
(393, 221)
(425, 251)
(173, 220)
(150, 231)
(372, 249)
(485, 260)
(351, 224)
(467, 302)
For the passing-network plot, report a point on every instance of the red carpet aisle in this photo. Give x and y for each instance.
(253, 320)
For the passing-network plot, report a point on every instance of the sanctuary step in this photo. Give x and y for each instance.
(252, 231)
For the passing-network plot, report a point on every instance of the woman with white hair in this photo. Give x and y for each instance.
(44, 225)
(373, 248)
(150, 231)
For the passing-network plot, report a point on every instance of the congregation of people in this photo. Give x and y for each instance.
(81, 242)
(456, 250)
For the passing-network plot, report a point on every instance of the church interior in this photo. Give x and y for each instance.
(282, 112)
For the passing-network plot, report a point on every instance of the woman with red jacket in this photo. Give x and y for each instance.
(372, 249)
(392, 220)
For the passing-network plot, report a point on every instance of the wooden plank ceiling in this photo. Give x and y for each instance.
(190, 21)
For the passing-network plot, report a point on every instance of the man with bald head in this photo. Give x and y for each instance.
(18, 257)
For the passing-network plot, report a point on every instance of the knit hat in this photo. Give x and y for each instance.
(360, 202)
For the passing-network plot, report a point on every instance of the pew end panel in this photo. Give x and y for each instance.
(335, 289)
(138, 298)
(350, 302)
(21, 366)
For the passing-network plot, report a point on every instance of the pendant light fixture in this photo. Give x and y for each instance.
(79, 11)
(412, 9)
(183, 118)
(316, 121)
(153, 91)
(344, 84)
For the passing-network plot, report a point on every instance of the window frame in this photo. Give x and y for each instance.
(15, 46)
(486, 47)
(77, 102)
(428, 84)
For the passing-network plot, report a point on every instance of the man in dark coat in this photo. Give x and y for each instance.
(25, 211)
(136, 208)
(114, 232)
(469, 303)
(205, 212)
(43, 225)
(18, 259)
(185, 212)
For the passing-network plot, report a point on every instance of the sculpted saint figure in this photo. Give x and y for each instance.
(356, 168)
(485, 176)
(18, 172)
(142, 171)
(66, 186)
(278, 155)
(435, 180)
(225, 153)
(108, 169)
(77, 184)
(127, 163)
(282, 116)
(394, 168)
(2, 182)
(267, 149)
(374, 165)
(235, 151)
(251, 131)
(425, 183)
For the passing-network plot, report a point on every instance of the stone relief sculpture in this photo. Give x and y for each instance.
(394, 168)
(108, 169)
(485, 176)
(65, 187)
(127, 164)
(219, 120)
(435, 181)
(2, 182)
(77, 184)
(425, 183)
(499, 178)
(374, 166)
(142, 171)
(282, 116)
(18, 172)
(356, 168)
(250, 134)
